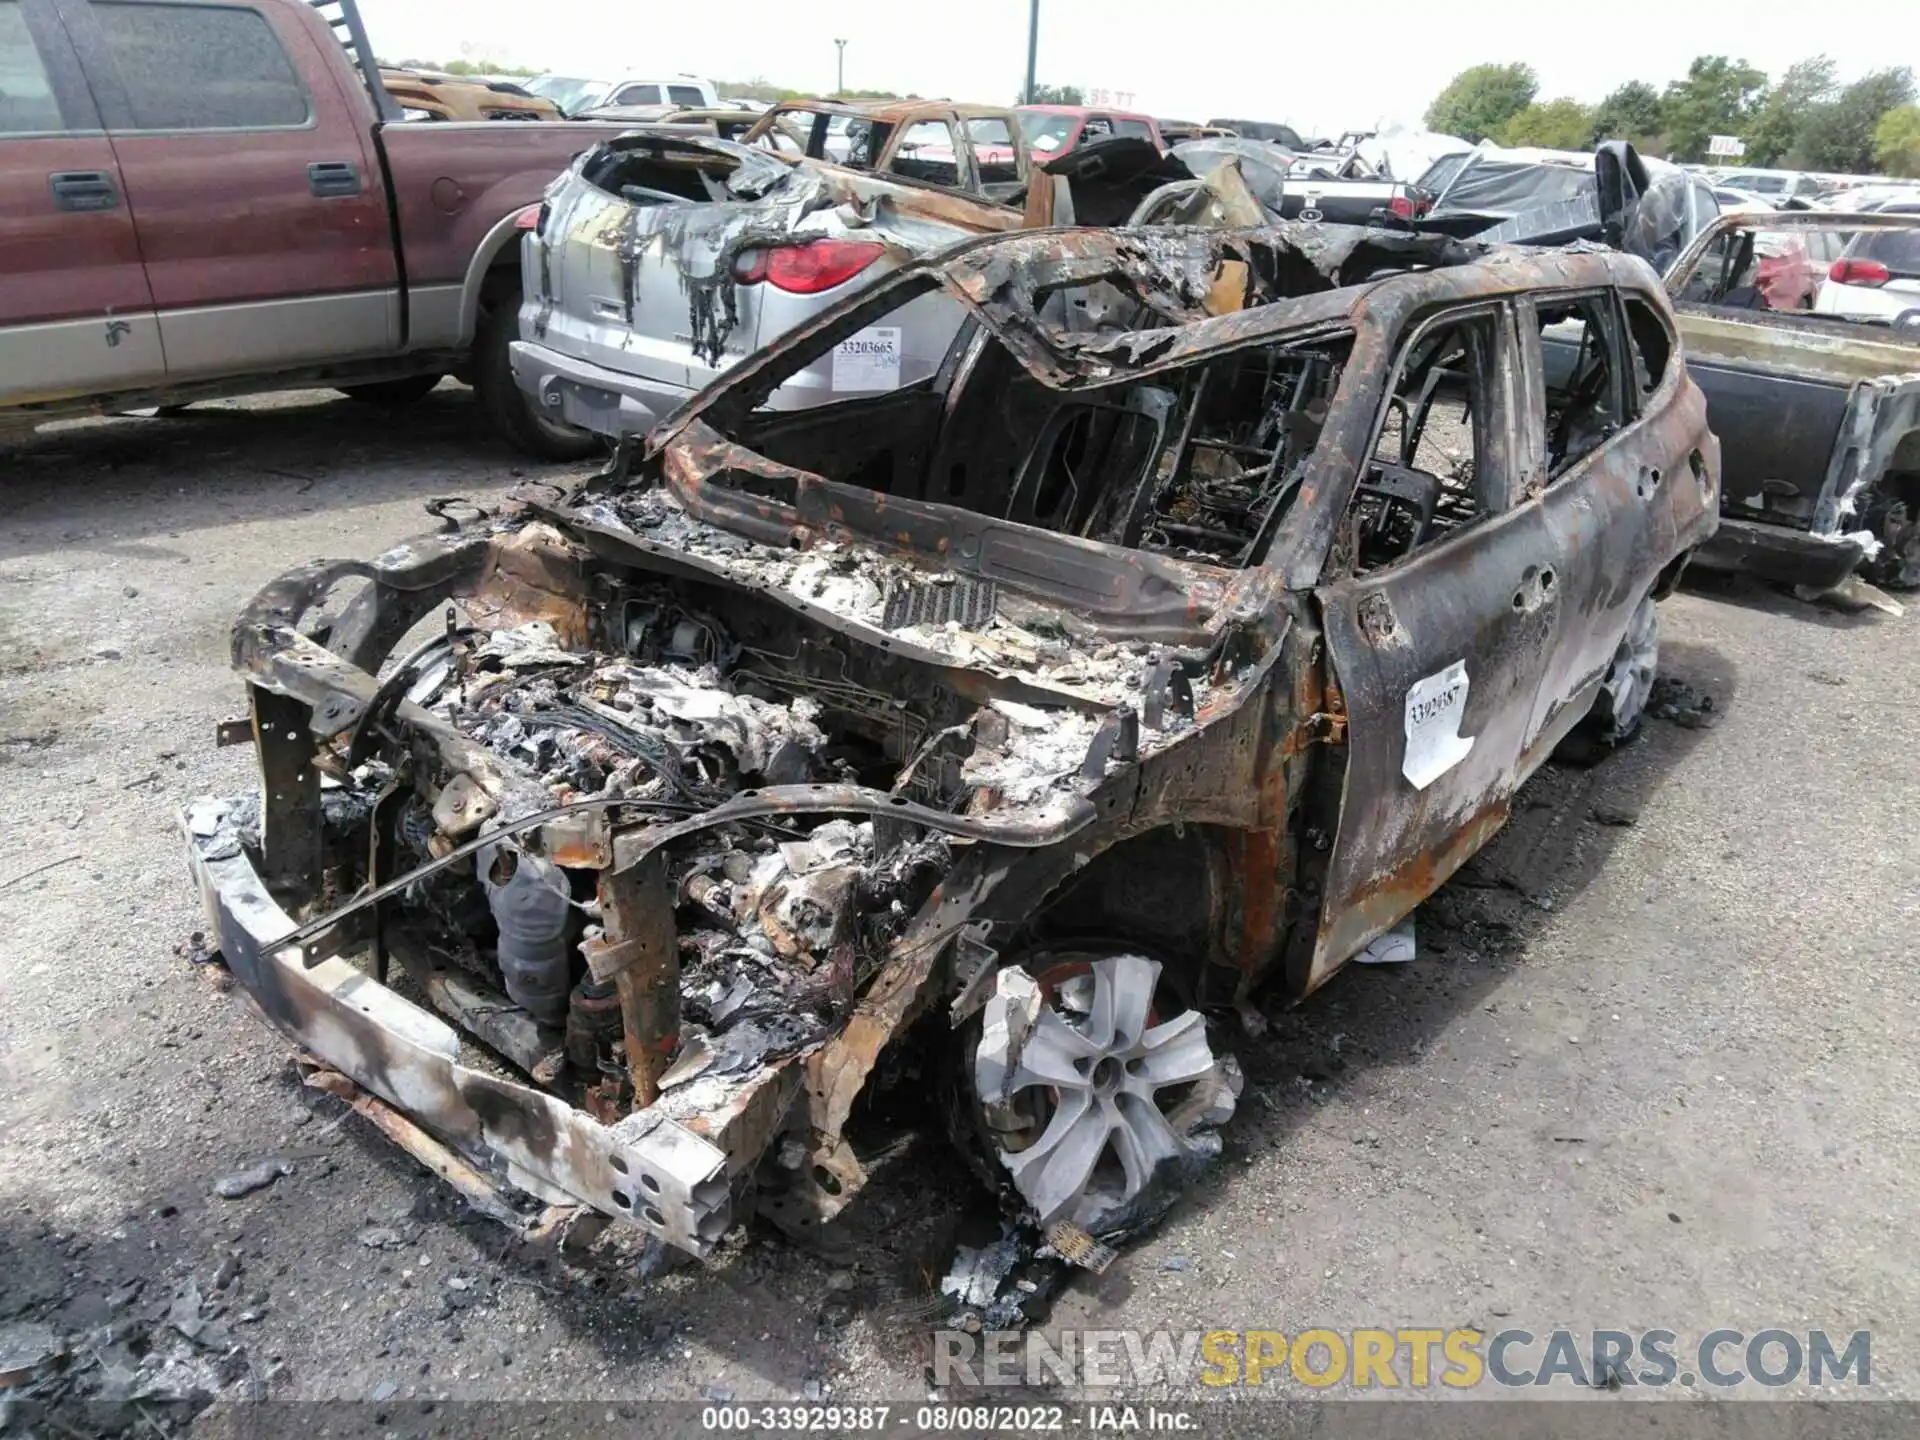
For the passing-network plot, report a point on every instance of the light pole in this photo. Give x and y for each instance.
(1033, 44)
(841, 46)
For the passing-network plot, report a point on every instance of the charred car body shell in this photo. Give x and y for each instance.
(1819, 418)
(1244, 768)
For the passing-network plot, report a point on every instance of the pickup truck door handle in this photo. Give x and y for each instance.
(84, 190)
(330, 178)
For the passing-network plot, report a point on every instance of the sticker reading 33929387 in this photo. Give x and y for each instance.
(1435, 707)
(869, 360)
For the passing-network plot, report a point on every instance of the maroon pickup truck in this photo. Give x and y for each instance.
(219, 197)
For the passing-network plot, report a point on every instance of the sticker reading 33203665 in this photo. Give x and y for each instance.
(1435, 707)
(869, 360)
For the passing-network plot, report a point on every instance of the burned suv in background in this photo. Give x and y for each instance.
(1193, 621)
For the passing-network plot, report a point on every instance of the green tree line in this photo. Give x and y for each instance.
(1807, 120)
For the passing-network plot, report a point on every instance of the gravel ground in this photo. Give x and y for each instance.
(1652, 1069)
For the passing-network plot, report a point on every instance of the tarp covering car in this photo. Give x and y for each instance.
(1615, 196)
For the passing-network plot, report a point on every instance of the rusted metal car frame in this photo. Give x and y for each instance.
(1820, 415)
(1242, 756)
(887, 124)
(450, 97)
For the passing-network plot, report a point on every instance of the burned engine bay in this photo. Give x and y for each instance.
(619, 880)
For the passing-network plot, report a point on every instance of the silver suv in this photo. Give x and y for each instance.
(661, 259)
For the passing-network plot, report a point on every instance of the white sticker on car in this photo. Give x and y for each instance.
(868, 361)
(1435, 707)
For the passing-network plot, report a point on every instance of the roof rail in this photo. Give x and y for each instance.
(343, 18)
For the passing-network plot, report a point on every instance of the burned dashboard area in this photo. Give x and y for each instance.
(1162, 392)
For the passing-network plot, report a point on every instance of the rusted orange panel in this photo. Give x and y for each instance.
(1392, 897)
(535, 573)
(636, 907)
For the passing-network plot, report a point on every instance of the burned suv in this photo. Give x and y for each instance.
(1186, 629)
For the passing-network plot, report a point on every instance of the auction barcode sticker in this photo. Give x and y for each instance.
(869, 360)
(1435, 708)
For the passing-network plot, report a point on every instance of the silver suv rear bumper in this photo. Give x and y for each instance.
(592, 397)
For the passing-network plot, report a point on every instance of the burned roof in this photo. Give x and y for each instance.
(1215, 289)
(1161, 297)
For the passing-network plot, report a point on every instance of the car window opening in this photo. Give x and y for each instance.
(1583, 400)
(1046, 132)
(1649, 344)
(659, 175)
(926, 153)
(1784, 271)
(1429, 477)
(1201, 463)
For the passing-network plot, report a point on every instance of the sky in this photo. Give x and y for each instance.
(1323, 67)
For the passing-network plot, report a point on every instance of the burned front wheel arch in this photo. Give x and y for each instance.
(1168, 892)
(1168, 901)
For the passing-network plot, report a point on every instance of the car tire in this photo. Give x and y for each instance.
(393, 393)
(510, 409)
(1894, 519)
(982, 1147)
(1621, 706)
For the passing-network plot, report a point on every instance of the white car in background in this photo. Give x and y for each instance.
(1774, 186)
(661, 259)
(1867, 199)
(574, 94)
(1876, 277)
(1736, 200)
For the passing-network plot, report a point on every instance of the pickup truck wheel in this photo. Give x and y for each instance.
(1087, 1085)
(1895, 519)
(518, 420)
(393, 393)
